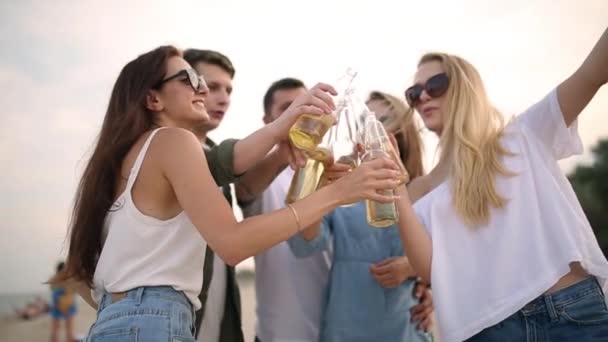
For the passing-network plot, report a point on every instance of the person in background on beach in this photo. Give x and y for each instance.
(33, 309)
(63, 308)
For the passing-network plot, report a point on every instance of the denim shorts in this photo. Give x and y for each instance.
(577, 313)
(145, 314)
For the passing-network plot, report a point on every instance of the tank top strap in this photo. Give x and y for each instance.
(139, 160)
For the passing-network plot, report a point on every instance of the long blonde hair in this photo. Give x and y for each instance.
(470, 140)
(400, 123)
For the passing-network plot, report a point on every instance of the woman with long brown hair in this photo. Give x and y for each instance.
(146, 205)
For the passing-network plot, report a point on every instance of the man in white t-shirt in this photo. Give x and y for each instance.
(288, 290)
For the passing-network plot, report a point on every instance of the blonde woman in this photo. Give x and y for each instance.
(496, 227)
(370, 292)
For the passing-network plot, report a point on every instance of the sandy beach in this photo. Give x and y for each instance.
(38, 329)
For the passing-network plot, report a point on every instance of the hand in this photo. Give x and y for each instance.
(367, 182)
(315, 101)
(392, 272)
(294, 157)
(334, 172)
(361, 149)
(423, 312)
(316, 96)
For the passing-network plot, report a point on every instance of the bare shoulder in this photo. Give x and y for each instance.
(173, 141)
(174, 136)
(418, 188)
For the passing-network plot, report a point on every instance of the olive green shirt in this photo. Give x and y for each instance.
(220, 159)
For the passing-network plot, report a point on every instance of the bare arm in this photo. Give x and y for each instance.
(414, 237)
(85, 292)
(79, 287)
(330, 174)
(577, 91)
(253, 148)
(312, 231)
(198, 195)
(258, 178)
(249, 151)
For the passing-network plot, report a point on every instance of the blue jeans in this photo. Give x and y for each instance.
(145, 314)
(577, 313)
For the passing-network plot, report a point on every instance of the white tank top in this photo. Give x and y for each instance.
(139, 250)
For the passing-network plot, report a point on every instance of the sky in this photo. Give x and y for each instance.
(59, 60)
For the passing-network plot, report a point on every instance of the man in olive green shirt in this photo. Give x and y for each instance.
(219, 320)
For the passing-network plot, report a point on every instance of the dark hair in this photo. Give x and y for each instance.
(126, 119)
(60, 266)
(282, 84)
(195, 56)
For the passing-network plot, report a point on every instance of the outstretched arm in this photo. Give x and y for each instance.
(195, 190)
(249, 186)
(249, 151)
(577, 91)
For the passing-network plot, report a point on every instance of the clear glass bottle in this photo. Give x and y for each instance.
(305, 180)
(378, 145)
(308, 131)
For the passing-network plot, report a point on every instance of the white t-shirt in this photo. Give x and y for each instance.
(216, 301)
(482, 275)
(289, 290)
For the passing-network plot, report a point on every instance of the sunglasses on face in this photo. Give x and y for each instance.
(434, 87)
(188, 77)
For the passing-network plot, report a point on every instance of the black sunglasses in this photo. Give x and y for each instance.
(188, 76)
(434, 87)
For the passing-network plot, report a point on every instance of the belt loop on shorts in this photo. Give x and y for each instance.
(550, 307)
(139, 293)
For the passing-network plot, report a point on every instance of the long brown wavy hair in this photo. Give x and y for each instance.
(126, 119)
